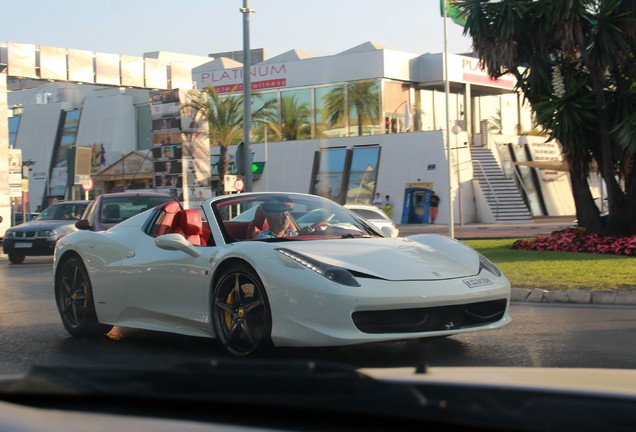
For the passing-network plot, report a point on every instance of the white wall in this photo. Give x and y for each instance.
(404, 158)
(109, 120)
(108, 117)
(36, 137)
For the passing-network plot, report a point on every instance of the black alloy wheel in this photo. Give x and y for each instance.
(73, 294)
(241, 314)
(16, 258)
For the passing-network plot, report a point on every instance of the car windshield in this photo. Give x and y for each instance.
(287, 216)
(63, 211)
(116, 209)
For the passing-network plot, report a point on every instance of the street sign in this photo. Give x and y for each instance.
(15, 173)
(87, 185)
(228, 183)
(239, 185)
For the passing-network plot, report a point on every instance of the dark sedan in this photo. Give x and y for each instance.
(38, 237)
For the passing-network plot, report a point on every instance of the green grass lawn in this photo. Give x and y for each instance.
(559, 271)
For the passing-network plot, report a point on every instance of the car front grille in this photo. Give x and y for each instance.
(24, 234)
(431, 319)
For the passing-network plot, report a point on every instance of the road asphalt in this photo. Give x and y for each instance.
(541, 226)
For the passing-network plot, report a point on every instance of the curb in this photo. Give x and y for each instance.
(536, 295)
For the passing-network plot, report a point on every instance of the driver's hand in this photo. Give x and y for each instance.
(307, 230)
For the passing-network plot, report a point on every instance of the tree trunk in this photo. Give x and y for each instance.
(630, 204)
(223, 163)
(587, 213)
(616, 221)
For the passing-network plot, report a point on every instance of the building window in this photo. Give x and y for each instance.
(363, 174)
(295, 114)
(346, 176)
(330, 114)
(14, 124)
(66, 138)
(144, 127)
(329, 173)
(267, 128)
(363, 98)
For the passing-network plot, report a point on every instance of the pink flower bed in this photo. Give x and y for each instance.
(575, 240)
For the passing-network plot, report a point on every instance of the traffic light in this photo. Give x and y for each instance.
(387, 125)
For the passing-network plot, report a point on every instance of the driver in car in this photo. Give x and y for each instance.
(279, 220)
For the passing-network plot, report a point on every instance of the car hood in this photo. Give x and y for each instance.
(395, 258)
(42, 225)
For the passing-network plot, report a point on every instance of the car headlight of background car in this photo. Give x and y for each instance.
(331, 272)
(485, 263)
(47, 233)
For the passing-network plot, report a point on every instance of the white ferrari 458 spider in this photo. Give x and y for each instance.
(281, 269)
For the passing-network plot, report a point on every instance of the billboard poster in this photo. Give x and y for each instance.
(180, 151)
(107, 68)
(21, 60)
(52, 63)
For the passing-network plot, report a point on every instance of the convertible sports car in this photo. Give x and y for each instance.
(273, 269)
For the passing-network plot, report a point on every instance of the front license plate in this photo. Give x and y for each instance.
(23, 245)
(477, 282)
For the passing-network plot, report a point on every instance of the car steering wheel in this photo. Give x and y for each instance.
(319, 226)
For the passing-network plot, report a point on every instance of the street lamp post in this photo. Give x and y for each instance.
(26, 168)
(456, 130)
(247, 106)
(451, 216)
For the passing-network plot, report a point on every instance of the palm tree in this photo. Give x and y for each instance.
(574, 63)
(494, 124)
(296, 119)
(224, 117)
(362, 96)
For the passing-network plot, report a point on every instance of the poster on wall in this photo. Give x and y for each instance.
(166, 142)
(98, 158)
(196, 157)
(180, 151)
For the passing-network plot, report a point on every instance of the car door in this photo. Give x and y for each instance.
(168, 287)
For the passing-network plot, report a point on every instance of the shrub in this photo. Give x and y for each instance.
(576, 240)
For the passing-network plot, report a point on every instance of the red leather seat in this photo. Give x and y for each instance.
(190, 226)
(169, 219)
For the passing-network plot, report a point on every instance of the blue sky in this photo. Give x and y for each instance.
(319, 27)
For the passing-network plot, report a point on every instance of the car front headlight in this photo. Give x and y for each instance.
(331, 272)
(485, 263)
(47, 233)
(8, 234)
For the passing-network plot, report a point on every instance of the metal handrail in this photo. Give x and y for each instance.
(492, 190)
(521, 183)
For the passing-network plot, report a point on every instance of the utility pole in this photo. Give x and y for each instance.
(247, 106)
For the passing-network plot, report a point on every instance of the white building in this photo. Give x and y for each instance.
(369, 119)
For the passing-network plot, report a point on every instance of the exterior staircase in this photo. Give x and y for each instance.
(502, 194)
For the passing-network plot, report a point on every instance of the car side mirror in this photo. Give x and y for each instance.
(176, 242)
(83, 224)
(390, 231)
